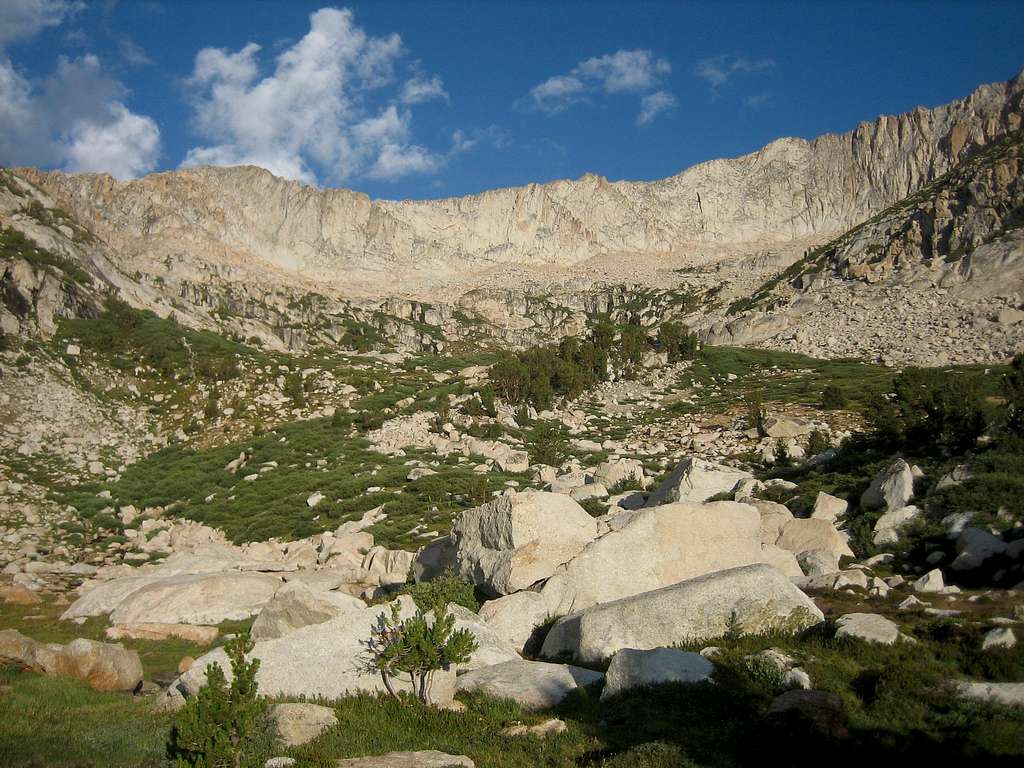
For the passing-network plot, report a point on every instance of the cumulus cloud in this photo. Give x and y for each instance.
(308, 117)
(23, 19)
(637, 72)
(718, 70)
(126, 146)
(75, 119)
(653, 104)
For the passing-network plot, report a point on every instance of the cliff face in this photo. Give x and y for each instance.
(790, 190)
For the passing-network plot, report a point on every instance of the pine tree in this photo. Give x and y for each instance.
(223, 725)
(417, 647)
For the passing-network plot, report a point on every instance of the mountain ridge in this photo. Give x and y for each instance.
(788, 191)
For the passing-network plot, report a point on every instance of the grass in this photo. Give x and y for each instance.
(58, 721)
(896, 699)
(275, 504)
(783, 377)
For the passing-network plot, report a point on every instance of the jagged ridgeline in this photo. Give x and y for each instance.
(290, 267)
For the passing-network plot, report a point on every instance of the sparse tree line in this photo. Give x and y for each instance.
(538, 375)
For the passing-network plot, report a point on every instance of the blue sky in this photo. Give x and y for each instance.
(433, 99)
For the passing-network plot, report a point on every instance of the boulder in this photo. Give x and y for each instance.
(869, 627)
(514, 617)
(299, 724)
(424, 759)
(491, 648)
(102, 598)
(891, 488)
(437, 557)
(295, 605)
(392, 566)
(327, 660)
(998, 637)
(207, 598)
(930, 582)
(782, 560)
(631, 668)
(193, 633)
(974, 547)
(1010, 694)
(887, 527)
(782, 426)
(751, 599)
(828, 507)
(806, 535)
(102, 666)
(613, 473)
(653, 548)
(533, 684)
(696, 480)
(519, 539)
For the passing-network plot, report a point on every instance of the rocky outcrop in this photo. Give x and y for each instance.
(519, 539)
(750, 599)
(653, 548)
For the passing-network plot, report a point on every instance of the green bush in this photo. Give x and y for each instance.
(930, 411)
(653, 754)
(224, 725)
(833, 398)
(447, 588)
(677, 341)
(417, 647)
(1013, 391)
(546, 444)
(817, 442)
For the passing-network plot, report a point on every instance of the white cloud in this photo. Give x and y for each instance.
(397, 160)
(309, 117)
(27, 18)
(75, 119)
(419, 89)
(637, 71)
(126, 147)
(718, 70)
(654, 104)
(624, 70)
(558, 93)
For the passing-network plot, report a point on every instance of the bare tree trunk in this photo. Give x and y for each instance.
(387, 683)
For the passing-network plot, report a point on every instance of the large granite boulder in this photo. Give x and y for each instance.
(514, 617)
(891, 488)
(491, 647)
(696, 480)
(752, 599)
(631, 668)
(102, 666)
(533, 684)
(653, 548)
(295, 605)
(519, 539)
(198, 599)
(327, 660)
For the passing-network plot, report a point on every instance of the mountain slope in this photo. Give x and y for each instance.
(789, 190)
